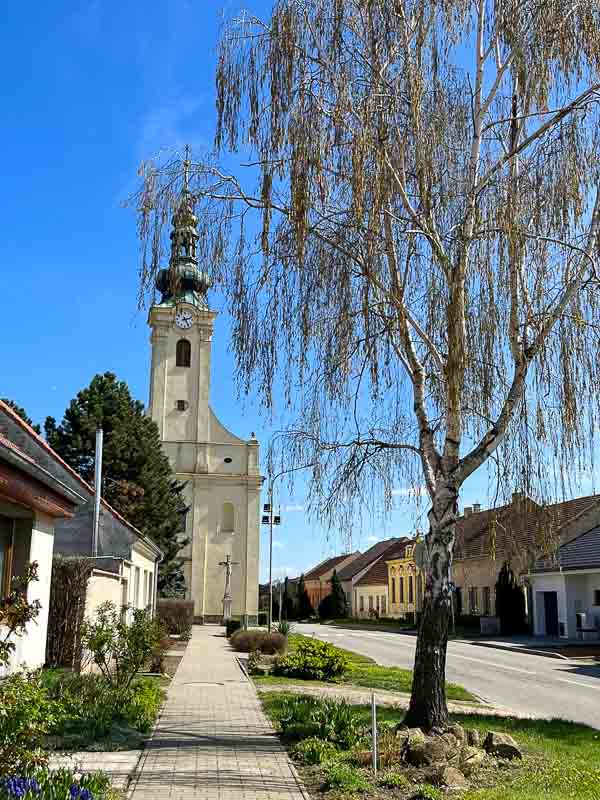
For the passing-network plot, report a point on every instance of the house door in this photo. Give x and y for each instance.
(551, 613)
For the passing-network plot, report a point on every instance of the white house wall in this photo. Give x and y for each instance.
(31, 647)
(549, 583)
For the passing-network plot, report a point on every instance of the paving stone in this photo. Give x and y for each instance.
(213, 741)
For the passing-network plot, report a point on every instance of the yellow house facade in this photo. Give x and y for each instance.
(406, 581)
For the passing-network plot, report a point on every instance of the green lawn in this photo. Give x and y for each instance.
(561, 759)
(365, 672)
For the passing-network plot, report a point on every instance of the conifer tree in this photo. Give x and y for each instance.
(305, 608)
(137, 479)
(338, 596)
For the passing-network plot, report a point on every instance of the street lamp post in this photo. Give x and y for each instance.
(275, 521)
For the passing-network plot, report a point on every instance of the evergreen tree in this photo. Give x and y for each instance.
(22, 413)
(339, 598)
(289, 607)
(305, 608)
(510, 601)
(137, 479)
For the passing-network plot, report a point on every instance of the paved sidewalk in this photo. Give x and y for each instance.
(213, 741)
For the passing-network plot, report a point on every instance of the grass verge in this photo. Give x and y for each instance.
(366, 673)
(561, 761)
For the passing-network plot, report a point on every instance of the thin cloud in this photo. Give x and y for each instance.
(278, 545)
(372, 539)
(293, 508)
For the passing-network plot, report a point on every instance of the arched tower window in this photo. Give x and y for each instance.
(183, 356)
(227, 518)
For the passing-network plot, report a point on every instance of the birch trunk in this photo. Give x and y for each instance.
(428, 707)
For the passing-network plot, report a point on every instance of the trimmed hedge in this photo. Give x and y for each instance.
(177, 615)
(267, 643)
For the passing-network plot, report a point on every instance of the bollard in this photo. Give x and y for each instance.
(374, 731)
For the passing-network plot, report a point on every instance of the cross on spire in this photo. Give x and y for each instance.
(187, 163)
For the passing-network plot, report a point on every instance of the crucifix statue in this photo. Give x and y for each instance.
(228, 564)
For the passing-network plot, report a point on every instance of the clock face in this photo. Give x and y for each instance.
(184, 319)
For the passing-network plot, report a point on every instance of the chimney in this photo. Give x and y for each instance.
(476, 508)
(468, 511)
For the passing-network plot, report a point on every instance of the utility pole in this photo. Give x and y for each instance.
(97, 488)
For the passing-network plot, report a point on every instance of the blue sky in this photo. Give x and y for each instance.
(90, 89)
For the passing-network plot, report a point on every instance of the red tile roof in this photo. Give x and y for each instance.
(325, 566)
(368, 557)
(377, 575)
(520, 529)
(44, 444)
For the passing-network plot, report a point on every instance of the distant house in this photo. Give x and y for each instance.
(126, 562)
(565, 588)
(317, 581)
(32, 503)
(354, 571)
(519, 532)
(405, 580)
(370, 593)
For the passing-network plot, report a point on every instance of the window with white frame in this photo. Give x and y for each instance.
(136, 588)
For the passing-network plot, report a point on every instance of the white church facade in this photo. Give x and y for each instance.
(220, 471)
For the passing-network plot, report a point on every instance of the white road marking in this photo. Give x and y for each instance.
(579, 683)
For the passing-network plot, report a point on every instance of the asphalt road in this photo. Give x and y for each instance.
(531, 684)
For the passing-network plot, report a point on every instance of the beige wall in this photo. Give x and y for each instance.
(217, 467)
(371, 597)
(477, 574)
(402, 574)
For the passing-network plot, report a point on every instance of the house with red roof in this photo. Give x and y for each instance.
(61, 504)
(317, 580)
(524, 534)
(356, 569)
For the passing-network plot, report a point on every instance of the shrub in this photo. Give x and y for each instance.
(157, 662)
(249, 641)
(284, 627)
(313, 660)
(274, 642)
(91, 706)
(231, 626)
(57, 785)
(345, 778)
(328, 720)
(316, 751)
(177, 616)
(143, 704)
(27, 715)
(118, 649)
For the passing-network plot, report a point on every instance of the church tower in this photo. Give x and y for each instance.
(221, 471)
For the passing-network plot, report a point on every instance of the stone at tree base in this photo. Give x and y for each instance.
(434, 749)
(501, 745)
(451, 777)
(473, 737)
(471, 759)
(458, 732)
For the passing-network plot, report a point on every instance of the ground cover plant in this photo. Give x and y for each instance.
(94, 716)
(560, 759)
(359, 671)
(60, 784)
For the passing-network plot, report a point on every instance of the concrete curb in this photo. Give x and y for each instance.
(516, 649)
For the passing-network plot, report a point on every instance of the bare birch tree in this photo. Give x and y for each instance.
(402, 209)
